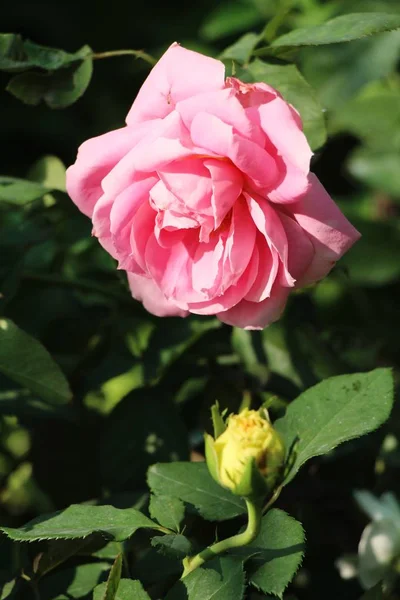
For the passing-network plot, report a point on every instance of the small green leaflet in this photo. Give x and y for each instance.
(192, 483)
(24, 360)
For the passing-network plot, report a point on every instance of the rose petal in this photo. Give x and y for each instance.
(96, 157)
(328, 229)
(267, 271)
(145, 290)
(224, 105)
(227, 183)
(215, 136)
(257, 315)
(268, 223)
(179, 74)
(300, 248)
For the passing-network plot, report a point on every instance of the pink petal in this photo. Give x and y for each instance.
(232, 295)
(269, 224)
(179, 74)
(162, 143)
(189, 181)
(301, 250)
(145, 290)
(142, 229)
(328, 229)
(239, 245)
(207, 266)
(227, 183)
(96, 157)
(267, 271)
(224, 105)
(282, 127)
(213, 135)
(167, 266)
(257, 315)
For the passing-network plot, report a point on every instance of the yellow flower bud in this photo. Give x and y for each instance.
(248, 456)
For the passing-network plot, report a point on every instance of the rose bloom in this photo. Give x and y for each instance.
(205, 197)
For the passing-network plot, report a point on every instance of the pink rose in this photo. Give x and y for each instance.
(205, 196)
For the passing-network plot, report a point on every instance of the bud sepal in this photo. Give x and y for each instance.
(246, 455)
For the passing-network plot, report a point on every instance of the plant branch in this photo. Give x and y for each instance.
(136, 53)
(241, 539)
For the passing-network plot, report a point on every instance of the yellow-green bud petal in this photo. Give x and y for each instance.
(247, 457)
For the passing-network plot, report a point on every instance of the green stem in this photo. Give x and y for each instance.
(271, 29)
(241, 539)
(136, 53)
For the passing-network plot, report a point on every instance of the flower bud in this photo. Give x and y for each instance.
(247, 454)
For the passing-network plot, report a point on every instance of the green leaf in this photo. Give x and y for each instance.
(192, 483)
(373, 116)
(114, 577)
(376, 169)
(167, 511)
(338, 72)
(168, 343)
(57, 89)
(57, 552)
(142, 429)
(374, 593)
(52, 59)
(173, 545)
(374, 259)
(221, 578)
(229, 18)
(19, 55)
(242, 49)
(278, 550)
(344, 28)
(288, 80)
(50, 172)
(24, 360)
(20, 191)
(335, 410)
(75, 582)
(12, 55)
(128, 590)
(81, 520)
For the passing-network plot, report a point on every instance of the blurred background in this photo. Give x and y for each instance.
(59, 286)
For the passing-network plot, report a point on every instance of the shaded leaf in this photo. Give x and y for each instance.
(192, 483)
(173, 545)
(374, 593)
(377, 169)
(229, 18)
(24, 360)
(81, 520)
(128, 589)
(221, 578)
(374, 259)
(20, 191)
(114, 577)
(242, 49)
(75, 582)
(344, 28)
(373, 116)
(143, 428)
(335, 410)
(168, 511)
(57, 89)
(278, 549)
(57, 552)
